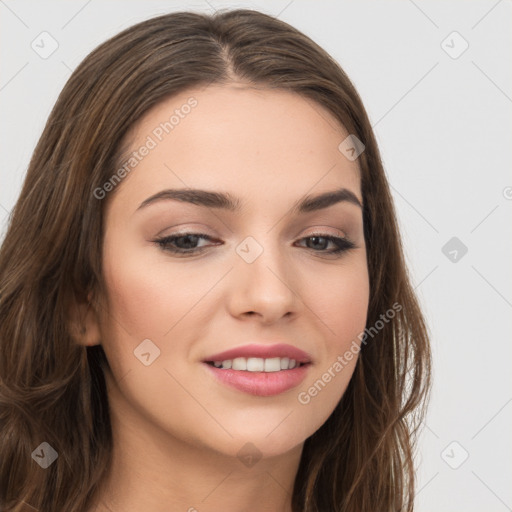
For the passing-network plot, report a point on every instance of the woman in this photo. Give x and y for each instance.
(204, 302)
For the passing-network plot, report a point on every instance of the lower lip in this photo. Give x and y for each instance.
(261, 383)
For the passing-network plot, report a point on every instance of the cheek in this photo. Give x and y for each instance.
(340, 300)
(151, 298)
(347, 314)
(140, 305)
(145, 296)
(340, 304)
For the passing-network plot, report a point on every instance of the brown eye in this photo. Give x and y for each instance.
(322, 241)
(183, 243)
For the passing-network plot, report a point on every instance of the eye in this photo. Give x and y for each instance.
(186, 243)
(321, 241)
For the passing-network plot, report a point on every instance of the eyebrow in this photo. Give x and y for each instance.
(226, 201)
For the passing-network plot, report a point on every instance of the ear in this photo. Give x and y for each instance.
(85, 327)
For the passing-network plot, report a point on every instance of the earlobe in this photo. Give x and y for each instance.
(84, 323)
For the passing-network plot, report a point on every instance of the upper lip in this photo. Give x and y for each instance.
(262, 351)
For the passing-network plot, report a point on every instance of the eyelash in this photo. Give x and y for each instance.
(343, 244)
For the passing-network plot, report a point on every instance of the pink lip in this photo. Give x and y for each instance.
(261, 383)
(264, 352)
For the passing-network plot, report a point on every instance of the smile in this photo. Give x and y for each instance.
(257, 364)
(263, 383)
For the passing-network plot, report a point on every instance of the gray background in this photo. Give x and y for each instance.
(444, 129)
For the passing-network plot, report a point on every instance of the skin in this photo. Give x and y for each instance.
(177, 430)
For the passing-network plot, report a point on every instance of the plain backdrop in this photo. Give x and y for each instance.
(436, 80)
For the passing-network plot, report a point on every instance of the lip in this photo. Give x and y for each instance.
(260, 383)
(264, 352)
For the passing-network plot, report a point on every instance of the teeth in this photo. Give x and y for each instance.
(239, 363)
(257, 364)
(272, 365)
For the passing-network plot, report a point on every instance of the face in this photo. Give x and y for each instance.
(187, 281)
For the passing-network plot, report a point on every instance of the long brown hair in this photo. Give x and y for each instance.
(53, 390)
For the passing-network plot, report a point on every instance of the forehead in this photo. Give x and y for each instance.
(259, 144)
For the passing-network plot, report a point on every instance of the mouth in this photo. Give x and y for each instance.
(258, 364)
(260, 357)
(260, 370)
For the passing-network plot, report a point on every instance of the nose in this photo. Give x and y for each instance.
(265, 288)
